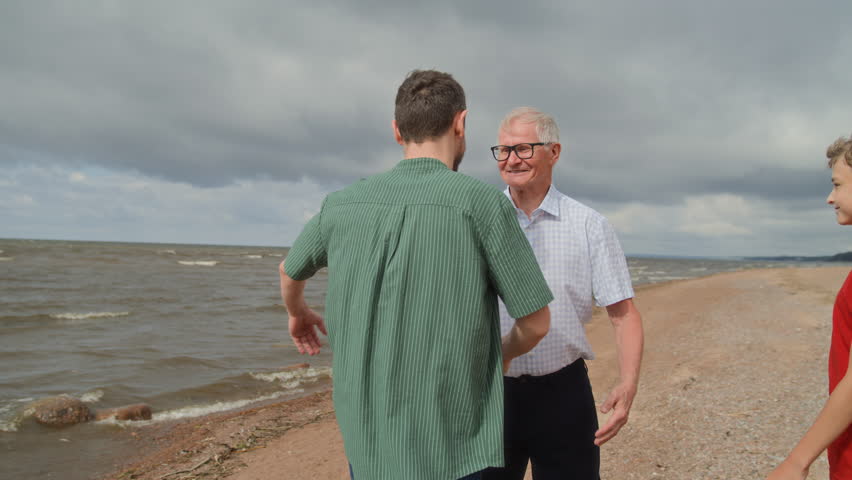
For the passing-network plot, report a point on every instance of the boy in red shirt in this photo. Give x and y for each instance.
(832, 428)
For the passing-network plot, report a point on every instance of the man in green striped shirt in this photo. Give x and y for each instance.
(416, 258)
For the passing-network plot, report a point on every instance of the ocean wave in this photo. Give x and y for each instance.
(279, 255)
(86, 316)
(92, 397)
(11, 415)
(6, 259)
(10, 425)
(201, 263)
(201, 410)
(180, 361)
(9, 421)
(254, 256)
(169, 252)
(291, 379)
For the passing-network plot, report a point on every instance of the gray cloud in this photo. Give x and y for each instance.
(657, 101)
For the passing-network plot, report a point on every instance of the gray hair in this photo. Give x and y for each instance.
(545, 124)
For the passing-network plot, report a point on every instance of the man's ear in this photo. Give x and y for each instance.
(396, 135)
(555, 151)
(459, 123)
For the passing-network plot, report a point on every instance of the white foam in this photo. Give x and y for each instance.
(268, 254)
(85, 316)
(6, 259)
(9, 419)
(92, 397)
(293, 378)
(202, 263)
(10, 425)
(170, 252)
(200, 410)
(254, 256)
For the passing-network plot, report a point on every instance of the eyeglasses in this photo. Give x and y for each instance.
(522, 150)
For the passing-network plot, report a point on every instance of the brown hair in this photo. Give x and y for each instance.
(426, 103)
(842, 147)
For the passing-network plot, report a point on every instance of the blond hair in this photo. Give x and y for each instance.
(842, 147)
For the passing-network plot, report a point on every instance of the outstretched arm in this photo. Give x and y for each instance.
(525, 334)
(303, 321)
(834, 418)
(629, 341)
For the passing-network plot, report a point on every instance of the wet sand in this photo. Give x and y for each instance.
(734, 373)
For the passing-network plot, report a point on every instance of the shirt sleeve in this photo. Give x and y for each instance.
(308, 253)
(610, 276)
(512, 265)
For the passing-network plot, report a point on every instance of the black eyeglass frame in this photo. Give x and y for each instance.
(514, 148)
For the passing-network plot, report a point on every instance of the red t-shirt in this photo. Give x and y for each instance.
(840, 451)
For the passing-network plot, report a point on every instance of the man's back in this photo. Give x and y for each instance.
(417, 257)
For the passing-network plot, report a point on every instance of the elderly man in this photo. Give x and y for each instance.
(417, 257)
(551, 420)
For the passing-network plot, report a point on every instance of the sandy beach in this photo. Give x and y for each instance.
(734, 372)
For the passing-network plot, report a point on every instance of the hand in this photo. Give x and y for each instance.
(788, 471)
(303, 331)
(619, 401)
(507, 362)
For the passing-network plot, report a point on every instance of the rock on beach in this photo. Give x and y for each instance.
(60, 411)
(63, 411)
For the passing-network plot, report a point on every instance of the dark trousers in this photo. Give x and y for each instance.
(550, 421)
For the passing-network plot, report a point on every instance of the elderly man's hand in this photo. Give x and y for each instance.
(303, 331)
(619, 401)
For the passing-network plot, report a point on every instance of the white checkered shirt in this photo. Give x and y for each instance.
(581, 259)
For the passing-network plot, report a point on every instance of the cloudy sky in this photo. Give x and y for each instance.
(697, 128)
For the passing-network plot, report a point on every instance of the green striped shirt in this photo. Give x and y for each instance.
(416, 259)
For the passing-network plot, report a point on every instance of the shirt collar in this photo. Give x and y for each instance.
(420, 165)
(549, 205)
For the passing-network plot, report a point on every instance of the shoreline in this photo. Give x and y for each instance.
(210, 444)
(706, 408)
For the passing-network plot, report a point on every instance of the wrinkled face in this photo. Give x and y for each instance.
(841, 195)
(535, 173)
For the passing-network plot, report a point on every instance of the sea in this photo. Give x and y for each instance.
(187, 329)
